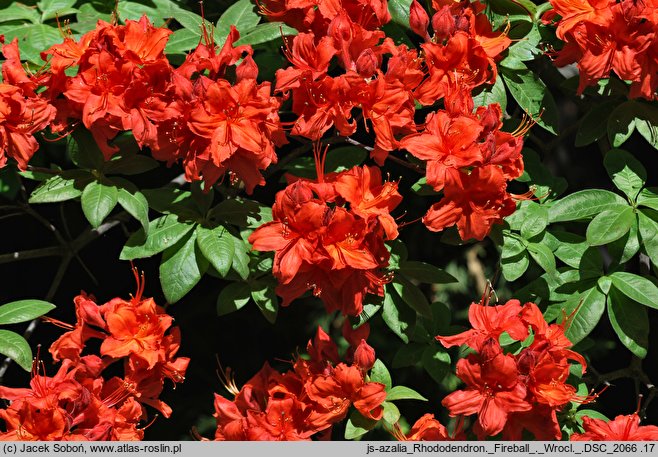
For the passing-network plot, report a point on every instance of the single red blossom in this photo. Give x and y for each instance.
(474, 202)
(489, 322)
(621, 428)
(493, 390)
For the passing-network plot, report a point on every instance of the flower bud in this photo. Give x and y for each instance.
(364, 356)
(367, 63)
(419, 20)
(443, 23)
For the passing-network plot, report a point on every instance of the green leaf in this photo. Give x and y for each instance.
(134, 11)
(532, 96)
(23, 311)
(181, 41)
(357, 425)
(543, 256)
(266, 300)
(216, 245)
(514, 267)
(391, 413)
(84, 151)
(163, 233)
(494, 94)
(535, 220)
(436, 362)
(621, 123)
(408, 355)
(648, 197)
(181, 269)
(241, 14)
(16, 348)
(136, 205)
(400, 318)
(240, 258)
(636, 288)
(266, 32)
(610, 225)
(19, 12)
(412, 296)
(594, 123)
(425, 273)
(630, 322)
(132, 164)
(55, 8)
(379, 373)
(242, 213)
(422, 188)
(589, 307)
(583, 204)
(403, 393)
(399, 10)
(98, 200)
(59, 188)
(32, 39)
(623, 249)
(648, 228)
(169, 200)
(512, 246)
(626, 171)
(233, 297)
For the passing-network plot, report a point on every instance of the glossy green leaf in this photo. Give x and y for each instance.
(266, 32)
(59, 188)
(399, 317)
(621, 123)
(588, 307)
(163, 233)
(233, 297)
(266, 299)
(241, 14)
(98, 200)
(593, 124)
(403, 393)
(535, 220)
(16, 348)
(636, 288)
(136, 205)
(399, 10)
(379, 373)
(648, 228)
(610, 225)
(583, 205)
(630, 322)
(543, 256)
(412, 296)
(181, 269)
(23, 311)
(357, 425)
(425, 273)
(240, 258)
(628, 174)
(217, 246)
(531, 94)
(514, 267)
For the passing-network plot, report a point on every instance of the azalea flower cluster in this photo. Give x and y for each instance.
(78, 402)
(471, 160)
(328, 236)
(124, 82)
(603, 36)
(23, 111)
(513, 392)
(306, 401)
